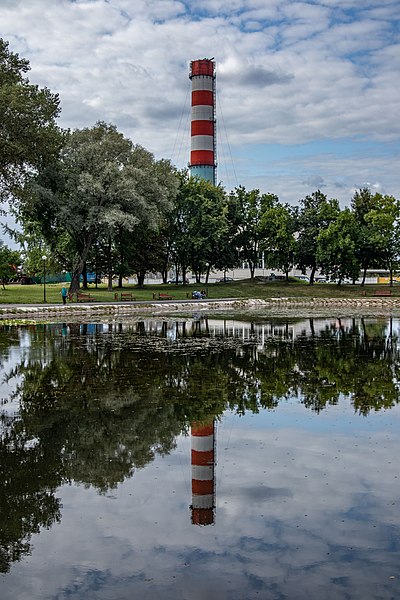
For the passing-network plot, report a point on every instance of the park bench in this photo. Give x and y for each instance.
(381, 293)
(80, 297)
(162, 296)
(125, 296)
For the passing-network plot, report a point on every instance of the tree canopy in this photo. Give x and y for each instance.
(101, 186)
(29, 135)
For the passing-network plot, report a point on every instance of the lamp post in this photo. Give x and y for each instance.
(44, 258)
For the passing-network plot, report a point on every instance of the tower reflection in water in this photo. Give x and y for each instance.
(203, 473)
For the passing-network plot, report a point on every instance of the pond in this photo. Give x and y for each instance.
(200, 458)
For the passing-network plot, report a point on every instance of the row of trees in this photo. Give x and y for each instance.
(93, 198)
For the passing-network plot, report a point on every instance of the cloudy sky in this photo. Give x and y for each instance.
(307, 90)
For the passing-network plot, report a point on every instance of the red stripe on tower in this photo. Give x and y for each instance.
(202, 128)
(202, 155)
(203, 471)
(202, 97)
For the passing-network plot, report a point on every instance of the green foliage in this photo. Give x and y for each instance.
(29, 136)
(251, 207)
(337, 248)
(383, 221)
(279, 244)
(362, 203)
(199, 226)
(101, 186)
(9, 261)
(315, 214)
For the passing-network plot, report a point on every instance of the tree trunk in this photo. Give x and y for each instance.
(74, 287)
(120, 280)
(84, 277)
(364, 275)
(252, 267)
(140, 278)
(287, 275)
(109, 265)
(312, 328)
(207, 274)
(391, 277)
(312, 276)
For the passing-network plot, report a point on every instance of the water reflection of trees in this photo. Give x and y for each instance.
(93, 408)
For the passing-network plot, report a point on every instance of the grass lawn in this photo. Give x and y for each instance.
(33, 294)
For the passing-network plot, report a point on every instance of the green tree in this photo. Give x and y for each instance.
(337, 248)
(200, 227)
(384, 224)
(9, 261)
(362, 203)
(315, 214)
(101, 185)
(29, 136)
(139, 252)
(278, 224)
(251, 207)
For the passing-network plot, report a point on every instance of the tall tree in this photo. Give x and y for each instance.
(337, 248)
(101, 185)
(29, 136)
(384, 223)
(279, 244)
(315, 214)
(9, 261)
(200, 226)
(251, 207)
(362, 203)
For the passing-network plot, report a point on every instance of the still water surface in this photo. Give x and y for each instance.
(200, 459)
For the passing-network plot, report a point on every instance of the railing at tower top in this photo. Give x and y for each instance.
(202, 67)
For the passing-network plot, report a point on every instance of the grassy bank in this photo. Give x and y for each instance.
(33, 294)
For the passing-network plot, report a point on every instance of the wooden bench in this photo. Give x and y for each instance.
(84, 297)
(378, 293)
(125, 296)
(165, 297)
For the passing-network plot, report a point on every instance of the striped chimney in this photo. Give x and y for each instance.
(202, 156)
(203, 471)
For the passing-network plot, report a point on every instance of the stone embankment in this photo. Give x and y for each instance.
(281, 306)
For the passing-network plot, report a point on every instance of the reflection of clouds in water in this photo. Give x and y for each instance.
(300, 513)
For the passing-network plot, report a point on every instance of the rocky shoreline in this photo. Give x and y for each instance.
(273, 306)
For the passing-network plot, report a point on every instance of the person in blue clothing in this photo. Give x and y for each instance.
(64, 294)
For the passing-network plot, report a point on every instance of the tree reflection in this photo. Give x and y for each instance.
(97, 403)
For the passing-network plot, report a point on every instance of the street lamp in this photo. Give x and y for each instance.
(44, 258)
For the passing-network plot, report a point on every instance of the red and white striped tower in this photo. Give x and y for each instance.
(203, 472)
(203, 148)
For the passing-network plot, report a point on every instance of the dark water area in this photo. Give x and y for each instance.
(200, 458)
